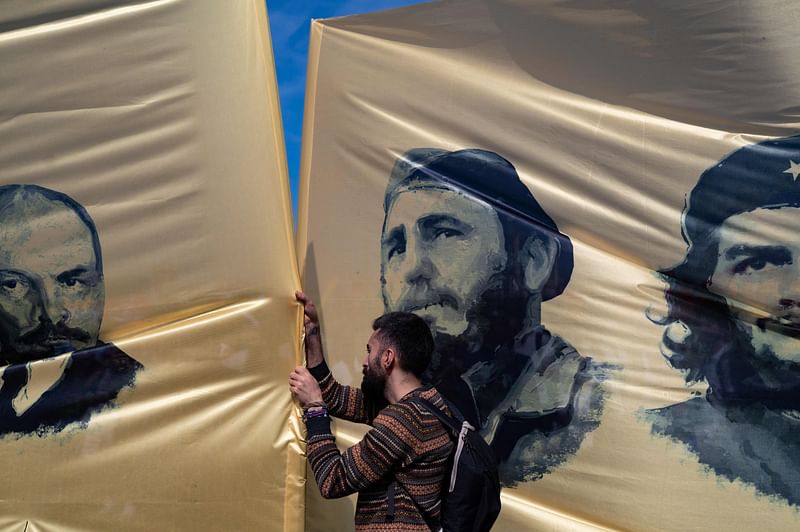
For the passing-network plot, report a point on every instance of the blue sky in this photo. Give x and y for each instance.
(290, 21)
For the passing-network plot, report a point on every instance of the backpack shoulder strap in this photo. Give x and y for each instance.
(457, 430)
(451, 423)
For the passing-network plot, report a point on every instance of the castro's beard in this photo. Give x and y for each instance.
(373, 384)
(495, 319)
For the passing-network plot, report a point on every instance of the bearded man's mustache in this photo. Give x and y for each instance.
(787, 325)
(47, 334)
(415, 301)
(46, 340)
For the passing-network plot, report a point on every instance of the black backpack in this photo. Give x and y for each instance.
(471, 496)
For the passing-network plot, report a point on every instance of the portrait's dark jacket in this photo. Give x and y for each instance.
(91, 381)
(751, 443)
(745, 428)
(535, 403)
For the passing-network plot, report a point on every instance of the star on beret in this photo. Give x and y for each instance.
(793, 169)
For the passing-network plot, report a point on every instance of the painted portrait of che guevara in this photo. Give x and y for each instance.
(733, 320)
(467, 247)
(54, 370)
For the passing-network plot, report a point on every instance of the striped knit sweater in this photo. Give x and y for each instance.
(406, 443)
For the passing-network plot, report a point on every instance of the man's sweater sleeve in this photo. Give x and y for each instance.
(345, 402)
(387, 444)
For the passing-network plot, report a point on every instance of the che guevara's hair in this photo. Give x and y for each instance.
(752, 177)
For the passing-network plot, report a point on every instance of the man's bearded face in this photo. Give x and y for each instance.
(443, 258)
(373, 384)
(758, 274)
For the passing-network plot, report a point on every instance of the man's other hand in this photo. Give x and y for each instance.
(313, 339)
(304, 386)
(310, 315)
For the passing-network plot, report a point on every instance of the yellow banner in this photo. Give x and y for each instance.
(594, 206)
(147, 274)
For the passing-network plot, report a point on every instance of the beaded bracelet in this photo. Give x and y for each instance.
(308, 414)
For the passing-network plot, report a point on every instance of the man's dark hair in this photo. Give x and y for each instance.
(411, 338)
(491, 178)
(752, 177)
(10, 195)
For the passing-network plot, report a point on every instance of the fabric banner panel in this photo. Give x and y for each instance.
(147, 271)
(594, 206)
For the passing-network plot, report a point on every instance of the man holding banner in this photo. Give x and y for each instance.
(399, 467)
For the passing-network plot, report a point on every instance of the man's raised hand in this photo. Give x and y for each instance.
(313, 340)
